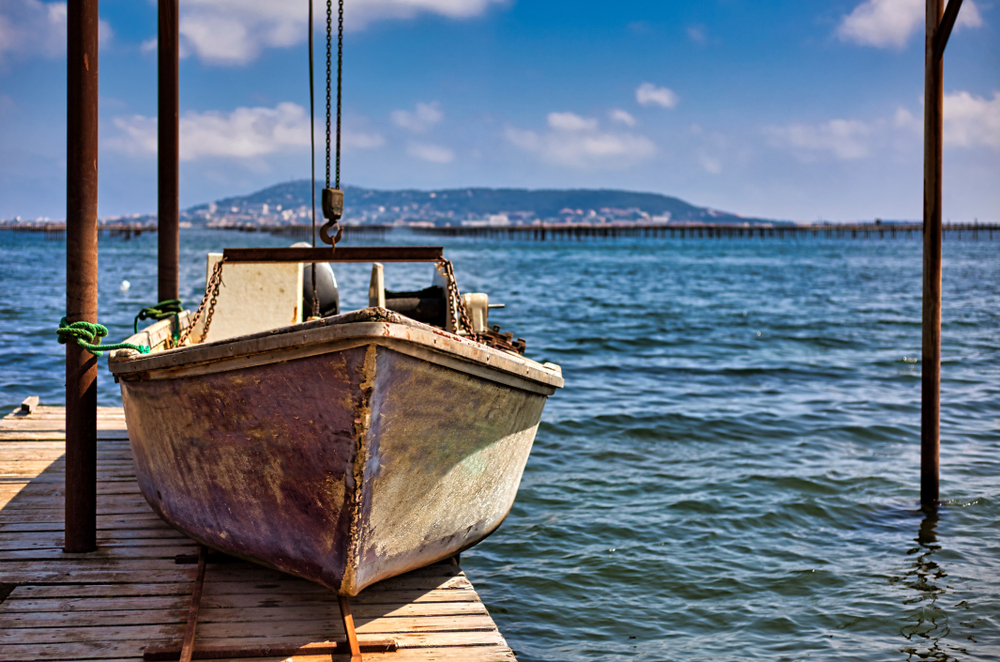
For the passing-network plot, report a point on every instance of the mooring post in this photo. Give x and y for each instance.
(168, 152)
(939, 23)
(81, 274)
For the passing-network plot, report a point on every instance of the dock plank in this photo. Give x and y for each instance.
(131, 593)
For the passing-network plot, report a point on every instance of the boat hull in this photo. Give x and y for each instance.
(346, 460)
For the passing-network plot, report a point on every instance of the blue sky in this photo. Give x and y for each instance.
(798, 110)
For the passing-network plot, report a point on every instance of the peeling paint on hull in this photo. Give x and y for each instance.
(344, 467)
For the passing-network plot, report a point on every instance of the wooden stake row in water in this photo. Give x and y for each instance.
(581, 232)
(58, 230)
(554, 231)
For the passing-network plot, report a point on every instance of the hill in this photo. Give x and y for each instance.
(289, 202)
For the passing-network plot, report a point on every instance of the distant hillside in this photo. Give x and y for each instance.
(289, 203)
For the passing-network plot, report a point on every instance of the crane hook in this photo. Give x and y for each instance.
(333, 211)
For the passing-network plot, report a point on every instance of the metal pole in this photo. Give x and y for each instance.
(168, 152)
(930, 406)
(81, 274)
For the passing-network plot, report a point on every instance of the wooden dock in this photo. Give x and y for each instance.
(130, 598)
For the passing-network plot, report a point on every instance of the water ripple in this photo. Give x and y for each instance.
(732, 470)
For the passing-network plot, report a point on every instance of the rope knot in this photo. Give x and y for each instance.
(88, 336)
(160, 311)
(85, 333)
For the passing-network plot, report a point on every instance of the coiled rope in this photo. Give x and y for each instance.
(88, 336)
(162, 310)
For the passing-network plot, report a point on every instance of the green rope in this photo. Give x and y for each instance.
(160, 311)
(88, 336)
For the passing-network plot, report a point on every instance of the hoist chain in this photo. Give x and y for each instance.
(329, 63)
(457, 314)
(340, 77)
(333, 198)
(211, 298)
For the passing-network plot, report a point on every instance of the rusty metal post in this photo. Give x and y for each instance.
(168, 152)
(930, 392)
(81, 274)
(353, 647)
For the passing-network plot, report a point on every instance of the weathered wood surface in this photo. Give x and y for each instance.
(28, 405)
(130, 593)
(45, 423)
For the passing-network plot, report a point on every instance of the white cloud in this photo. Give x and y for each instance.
(711, 144)
(842, 139)
(571, 122)
(430, 152)
(696, 33)
(30, 27)
(620, 116)
(351, 140)
(890, 23)
(136, 135)
(969, 121)
(360, 13)
(34, 28)
(104, 34)
(578, 142)
(650, 95)
(233, 32)
(904, 119)
(710, 164)
(245, 133)
(421, 119)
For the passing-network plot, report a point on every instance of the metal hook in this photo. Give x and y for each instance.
(333, 210)
(324, 233)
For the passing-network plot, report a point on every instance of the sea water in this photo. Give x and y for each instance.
(732, 471)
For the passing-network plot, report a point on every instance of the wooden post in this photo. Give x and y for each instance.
(930, 392)
(168, 152)
(81, 274)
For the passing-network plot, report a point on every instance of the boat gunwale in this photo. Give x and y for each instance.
(363, 327)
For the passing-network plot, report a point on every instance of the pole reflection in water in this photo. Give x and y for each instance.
(927, 625)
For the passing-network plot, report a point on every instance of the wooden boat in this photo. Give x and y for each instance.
(344, 450)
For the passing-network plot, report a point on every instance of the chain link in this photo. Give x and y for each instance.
(217, 277)
(211, 298)
(457, 314)
(340, 69)
(329, 67)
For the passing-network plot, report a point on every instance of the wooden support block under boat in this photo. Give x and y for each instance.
(344, 450)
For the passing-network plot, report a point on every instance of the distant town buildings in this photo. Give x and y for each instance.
(266, 215)
(290, 204)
